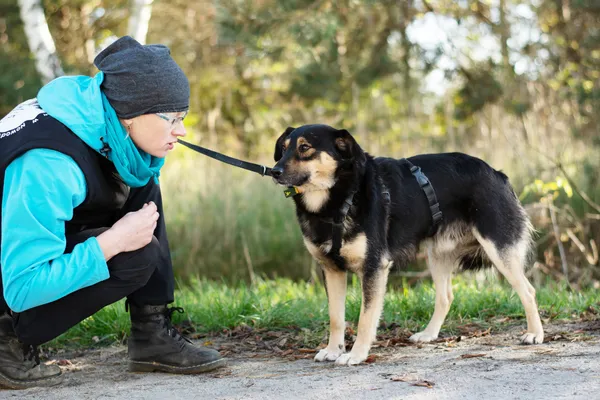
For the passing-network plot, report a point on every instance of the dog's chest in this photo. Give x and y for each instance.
(353, 252)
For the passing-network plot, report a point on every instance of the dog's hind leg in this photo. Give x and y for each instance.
(441, 267)
(335, 285)
(373, 292)
(510, 262)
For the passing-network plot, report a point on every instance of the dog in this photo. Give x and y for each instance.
(363, 214)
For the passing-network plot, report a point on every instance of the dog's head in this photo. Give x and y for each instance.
(312, 157)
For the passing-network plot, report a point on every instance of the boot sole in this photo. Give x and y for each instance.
(149, 366)
(9, 383)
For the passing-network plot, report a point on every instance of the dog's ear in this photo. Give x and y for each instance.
(352, 153)
(346, 144)
(279, 145)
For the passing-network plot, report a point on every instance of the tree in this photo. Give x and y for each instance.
(141, 11)
(40, 40)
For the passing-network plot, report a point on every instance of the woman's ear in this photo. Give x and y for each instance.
(279, 145)
(126, 122)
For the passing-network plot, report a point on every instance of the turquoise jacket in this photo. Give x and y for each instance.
(35, 270)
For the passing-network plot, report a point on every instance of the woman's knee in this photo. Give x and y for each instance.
(136, 266)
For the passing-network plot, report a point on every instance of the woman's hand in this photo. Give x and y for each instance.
(130, 233)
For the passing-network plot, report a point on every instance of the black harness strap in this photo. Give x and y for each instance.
(259, 169)
(434, 205)
(337, 229)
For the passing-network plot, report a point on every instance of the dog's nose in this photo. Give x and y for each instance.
(276, 172)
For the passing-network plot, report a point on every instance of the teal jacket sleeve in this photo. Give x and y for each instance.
(41, 189)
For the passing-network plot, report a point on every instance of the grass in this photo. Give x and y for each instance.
(226, 223)
(228, 227)
(285, 304)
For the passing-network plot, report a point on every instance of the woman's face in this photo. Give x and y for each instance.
(156, 134)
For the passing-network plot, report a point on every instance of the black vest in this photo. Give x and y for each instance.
(28, 127)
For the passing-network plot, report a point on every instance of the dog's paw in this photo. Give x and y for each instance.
(350, 359)
(422, 337)
(532, 338)
(328, 354)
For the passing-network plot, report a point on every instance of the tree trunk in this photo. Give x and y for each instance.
(40, 40)
(141, 11)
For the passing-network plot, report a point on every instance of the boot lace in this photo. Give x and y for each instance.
(31, 353)
(171, 330)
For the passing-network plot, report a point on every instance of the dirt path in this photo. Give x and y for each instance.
(482, 368)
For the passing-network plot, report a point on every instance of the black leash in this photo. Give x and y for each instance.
(338, 221)
(259, 169)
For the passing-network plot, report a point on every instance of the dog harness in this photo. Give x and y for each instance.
(337, 223)
(434, 205)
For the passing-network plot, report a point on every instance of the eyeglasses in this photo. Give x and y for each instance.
(172, 121)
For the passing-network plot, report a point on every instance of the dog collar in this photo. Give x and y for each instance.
(291, 191)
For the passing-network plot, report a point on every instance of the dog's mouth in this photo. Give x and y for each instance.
(286, 180)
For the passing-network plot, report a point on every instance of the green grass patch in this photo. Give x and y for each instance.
(285, 304)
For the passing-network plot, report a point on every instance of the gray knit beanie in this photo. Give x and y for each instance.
(142, 79)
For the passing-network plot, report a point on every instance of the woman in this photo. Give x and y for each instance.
(82, 223)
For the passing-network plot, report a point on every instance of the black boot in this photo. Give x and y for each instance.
(155, 345)
(20, 366)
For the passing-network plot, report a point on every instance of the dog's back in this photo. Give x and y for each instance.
(472, 195)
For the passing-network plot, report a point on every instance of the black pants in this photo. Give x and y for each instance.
(144, 276)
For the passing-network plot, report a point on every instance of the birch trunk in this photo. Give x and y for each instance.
(40, 40)
(141, 11)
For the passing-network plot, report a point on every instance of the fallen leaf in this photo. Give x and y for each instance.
(306, 350)
(546, 351)
(61, 362)
(427, 384)
(405, 378)
(371, 359)
(472, 355)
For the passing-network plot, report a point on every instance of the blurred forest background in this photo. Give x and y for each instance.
(516, 83)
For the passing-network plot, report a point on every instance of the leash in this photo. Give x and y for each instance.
(259, 169)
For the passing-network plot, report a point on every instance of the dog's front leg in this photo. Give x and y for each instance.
(335, 285)
(373, 291)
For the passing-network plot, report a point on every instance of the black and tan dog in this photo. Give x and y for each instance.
(388, 216)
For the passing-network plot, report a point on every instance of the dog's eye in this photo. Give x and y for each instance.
(303, 148)
(283, 148)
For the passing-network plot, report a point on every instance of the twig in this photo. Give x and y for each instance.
(248, 261)
(594, 252)
(561, 249)
(573, 185)
(591, 258)
(581, 193)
